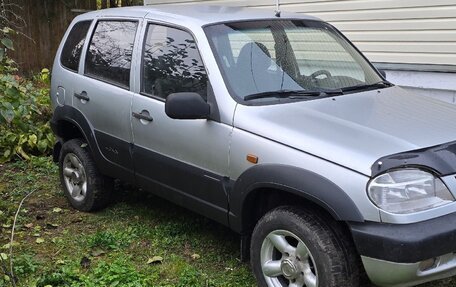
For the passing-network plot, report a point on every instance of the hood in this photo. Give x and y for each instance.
(354, 130)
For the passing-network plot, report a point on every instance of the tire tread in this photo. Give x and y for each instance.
(333, 241)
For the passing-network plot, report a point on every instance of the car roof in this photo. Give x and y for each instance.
(198, 14)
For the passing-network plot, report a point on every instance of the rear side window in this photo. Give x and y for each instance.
(110, 52)
(172, 63)
(71, 52)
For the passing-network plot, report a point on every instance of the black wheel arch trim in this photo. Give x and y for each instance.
(56, 150)
(75, 117)
(301, 182)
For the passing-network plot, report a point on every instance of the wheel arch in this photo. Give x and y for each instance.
(65, 127)
(265, 186)
(68, 122)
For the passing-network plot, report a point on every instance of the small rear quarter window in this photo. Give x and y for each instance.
(72, 49)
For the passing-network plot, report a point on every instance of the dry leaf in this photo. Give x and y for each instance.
(97, 252)
(155, 260)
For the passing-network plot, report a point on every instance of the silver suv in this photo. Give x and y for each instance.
(274, 125)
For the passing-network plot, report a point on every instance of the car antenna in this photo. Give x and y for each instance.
(277, 11)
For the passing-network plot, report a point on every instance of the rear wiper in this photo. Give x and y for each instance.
(293, 94)
(381, 84)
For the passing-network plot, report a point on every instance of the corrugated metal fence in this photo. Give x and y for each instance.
(42, 23)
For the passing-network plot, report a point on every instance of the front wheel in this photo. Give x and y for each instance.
(297, 248)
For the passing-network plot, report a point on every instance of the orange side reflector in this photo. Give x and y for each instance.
(252, 158)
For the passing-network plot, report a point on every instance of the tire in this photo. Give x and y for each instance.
(84, 186)
(303, 248)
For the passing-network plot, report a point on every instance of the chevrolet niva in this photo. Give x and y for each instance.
(273, 125)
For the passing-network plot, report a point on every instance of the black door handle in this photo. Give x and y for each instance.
(82, 96)
(143, 116)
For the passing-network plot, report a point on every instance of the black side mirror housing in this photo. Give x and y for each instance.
(383, 73)
(186, 106)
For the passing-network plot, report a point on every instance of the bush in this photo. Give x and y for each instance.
(24, 111)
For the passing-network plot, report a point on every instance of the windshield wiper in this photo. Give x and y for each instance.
(378, 85)
(293, 94)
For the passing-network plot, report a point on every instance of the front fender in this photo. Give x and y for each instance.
(304, 183)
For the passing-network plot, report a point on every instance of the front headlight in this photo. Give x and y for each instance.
(408, 190)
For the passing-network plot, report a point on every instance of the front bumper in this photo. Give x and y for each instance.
(392, 274)
(407, 254)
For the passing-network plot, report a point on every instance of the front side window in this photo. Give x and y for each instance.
(110, 52)
(295, 58)
(71, 52)
(171, 63)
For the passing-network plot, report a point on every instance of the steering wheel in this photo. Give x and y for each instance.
(319, 73)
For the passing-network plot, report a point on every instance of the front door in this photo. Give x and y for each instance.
(183, 160)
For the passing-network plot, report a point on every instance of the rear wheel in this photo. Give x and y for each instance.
(297, 248)
(84, 186)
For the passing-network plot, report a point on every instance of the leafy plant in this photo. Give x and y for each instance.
(25, 264)
(65, 276)
(24, 108)
(112, 240)
(190, 276)
(120, 272)
(6, 44)
(24, 115)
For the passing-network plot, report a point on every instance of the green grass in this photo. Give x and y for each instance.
(59, 246)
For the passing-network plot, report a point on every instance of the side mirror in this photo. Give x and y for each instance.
(383, 73)
(186, 106)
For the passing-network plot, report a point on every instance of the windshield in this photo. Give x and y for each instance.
(262, 57)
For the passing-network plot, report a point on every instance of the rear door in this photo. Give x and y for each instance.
(182, 160)
(66, 67)
(104, 93)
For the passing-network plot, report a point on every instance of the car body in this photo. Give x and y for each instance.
(233, 160)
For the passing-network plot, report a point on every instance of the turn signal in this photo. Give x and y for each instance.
(252, 158)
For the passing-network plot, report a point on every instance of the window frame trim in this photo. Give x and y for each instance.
(149, 22)
(93, 30)
(89, 30)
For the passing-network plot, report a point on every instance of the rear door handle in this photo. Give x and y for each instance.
(82, 96)
(144, 115)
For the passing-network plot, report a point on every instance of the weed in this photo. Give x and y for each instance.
(112, 240)
(65, 276)
(25, 264)
(190, 276)
(117, 273)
